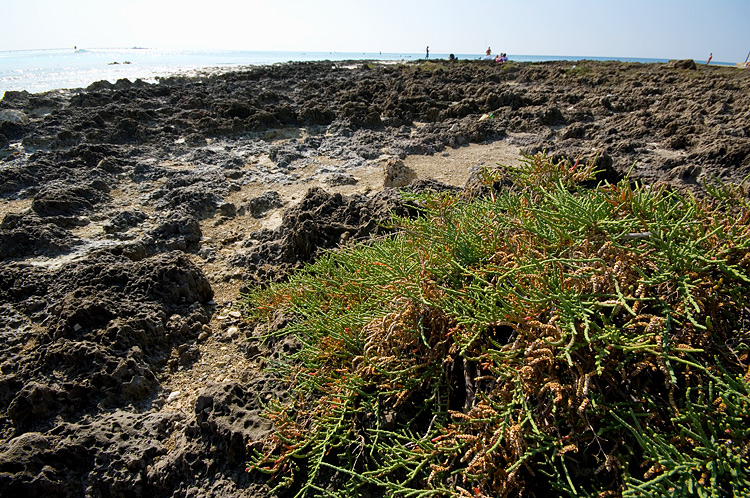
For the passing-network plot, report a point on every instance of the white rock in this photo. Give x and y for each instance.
(397, 174)
(13, 116)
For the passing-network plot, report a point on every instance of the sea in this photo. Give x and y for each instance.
(51, 69)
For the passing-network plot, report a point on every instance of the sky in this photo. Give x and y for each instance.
(664, 29)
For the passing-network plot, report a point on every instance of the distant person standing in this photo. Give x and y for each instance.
(709, 58)
(427, 52)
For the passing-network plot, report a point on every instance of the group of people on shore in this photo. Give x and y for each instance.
(499, 58)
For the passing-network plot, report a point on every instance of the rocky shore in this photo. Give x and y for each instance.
(134, 214)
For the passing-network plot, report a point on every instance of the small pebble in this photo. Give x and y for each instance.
(203, 336)
(173, 396)
(235, 314)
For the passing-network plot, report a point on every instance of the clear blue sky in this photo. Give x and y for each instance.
(666, 29)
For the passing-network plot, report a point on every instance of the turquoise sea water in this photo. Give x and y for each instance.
(42, 70)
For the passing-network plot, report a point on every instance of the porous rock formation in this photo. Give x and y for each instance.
(106, 287)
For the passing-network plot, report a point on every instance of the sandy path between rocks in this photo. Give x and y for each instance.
(220, 359)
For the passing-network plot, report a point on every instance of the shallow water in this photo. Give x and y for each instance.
(49, 69)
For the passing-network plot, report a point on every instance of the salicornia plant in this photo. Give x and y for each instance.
(545, 339)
